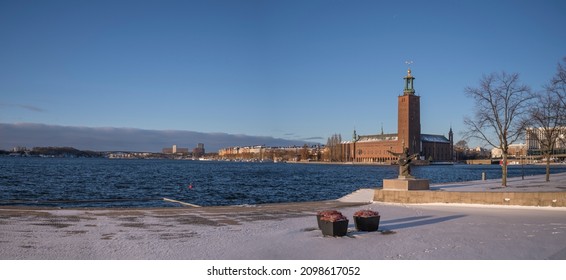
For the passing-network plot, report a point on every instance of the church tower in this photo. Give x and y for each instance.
(409, 117)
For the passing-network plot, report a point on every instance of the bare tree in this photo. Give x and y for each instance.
(546, 116)
(500, 112)
(549, 116)
(334, 147)
(557, 87)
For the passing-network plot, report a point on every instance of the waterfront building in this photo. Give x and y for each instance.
(533, 135)
(19, 149)
(175, 150)
(375, 148)
(261, 152)
(199, 150)
(514, 151)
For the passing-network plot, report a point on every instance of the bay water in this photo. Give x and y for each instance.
(100, 182)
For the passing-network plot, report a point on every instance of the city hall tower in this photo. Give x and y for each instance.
(409, 117)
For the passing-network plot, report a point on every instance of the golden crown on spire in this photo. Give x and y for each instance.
(409, 62)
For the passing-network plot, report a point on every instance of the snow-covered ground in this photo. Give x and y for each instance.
(287, 231)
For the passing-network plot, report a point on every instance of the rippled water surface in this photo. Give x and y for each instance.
(144, 183)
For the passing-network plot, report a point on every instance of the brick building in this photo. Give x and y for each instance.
(374, 148)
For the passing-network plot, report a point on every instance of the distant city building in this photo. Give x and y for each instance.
(238, 151)
(19, 149)
(534, 135)
(175, 150)
(199, 150)
(481, 152)
(128, 155)
(515, 150)
(265, 153)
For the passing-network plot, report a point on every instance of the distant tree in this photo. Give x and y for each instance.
(269, 154)
(334, 147)
(328, 154)
(547, 116)
(500, 112)
(280, 154)
(305, 152)
(460, 150)
(462, 144)
(246, 155)
(318, 153)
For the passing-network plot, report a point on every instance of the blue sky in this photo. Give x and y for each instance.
(298, 70)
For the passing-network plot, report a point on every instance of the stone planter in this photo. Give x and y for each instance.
(337, 228)
(318, 221)
(324, 213)
(367, 223)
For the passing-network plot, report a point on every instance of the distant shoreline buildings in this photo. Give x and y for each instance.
(531, 148)
(174, 152)
(198, 151)
(265, 153)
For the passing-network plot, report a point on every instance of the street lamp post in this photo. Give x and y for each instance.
(522, 166)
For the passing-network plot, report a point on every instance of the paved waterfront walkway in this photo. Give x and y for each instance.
(289, 231)
(534, 183)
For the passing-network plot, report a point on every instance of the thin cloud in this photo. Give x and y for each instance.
(31, 108)
(23, 106)
(316, 138)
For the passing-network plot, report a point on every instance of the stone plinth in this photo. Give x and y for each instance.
(406, 184)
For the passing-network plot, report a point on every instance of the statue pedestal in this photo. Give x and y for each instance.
(405, 183)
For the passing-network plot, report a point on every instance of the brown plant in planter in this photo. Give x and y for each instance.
(333, 217)
(327, 212)
(366, 213)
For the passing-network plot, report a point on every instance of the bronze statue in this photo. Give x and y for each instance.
(405, 162)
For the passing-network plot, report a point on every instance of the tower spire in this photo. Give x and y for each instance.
(409, 89)
(354, 135)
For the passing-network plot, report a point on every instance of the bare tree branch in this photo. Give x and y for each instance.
(501, 110)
